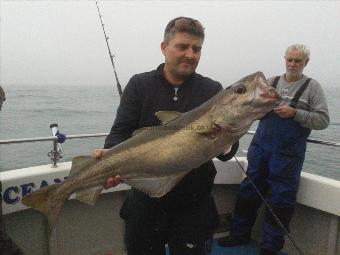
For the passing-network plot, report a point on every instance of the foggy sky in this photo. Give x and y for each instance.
(62, 43)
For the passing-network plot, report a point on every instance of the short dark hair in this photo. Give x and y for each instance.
(183, 24)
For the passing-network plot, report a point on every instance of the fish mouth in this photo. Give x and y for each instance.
(272, 95)
(268, 95)
(266, 102)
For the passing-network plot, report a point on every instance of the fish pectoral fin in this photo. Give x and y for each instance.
(89, 196)
(167, 116)
(210, 131)
(78, 162)
(157, 186)
(138, 131)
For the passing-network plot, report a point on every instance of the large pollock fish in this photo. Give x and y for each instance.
(155, 159)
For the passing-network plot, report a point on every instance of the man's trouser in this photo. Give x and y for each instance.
(277, 177)
(149, 225)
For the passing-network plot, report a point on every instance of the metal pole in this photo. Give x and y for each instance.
(54, 154)
(50, 138)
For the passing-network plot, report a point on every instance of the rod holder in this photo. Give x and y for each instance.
(57, 151)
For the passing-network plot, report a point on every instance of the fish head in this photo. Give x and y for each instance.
(247, 100)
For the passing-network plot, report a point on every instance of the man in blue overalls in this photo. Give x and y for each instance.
(277, 152)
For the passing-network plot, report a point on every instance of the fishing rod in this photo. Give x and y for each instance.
(110, 54)
(277, 219)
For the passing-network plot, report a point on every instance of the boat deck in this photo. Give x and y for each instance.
(251, 249)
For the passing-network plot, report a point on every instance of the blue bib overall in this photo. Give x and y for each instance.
(275, 159)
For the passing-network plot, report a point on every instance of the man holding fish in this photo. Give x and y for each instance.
(186, 216)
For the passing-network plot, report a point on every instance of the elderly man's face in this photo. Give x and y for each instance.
(295, 63)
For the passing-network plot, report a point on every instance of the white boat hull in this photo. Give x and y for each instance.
(98, 230)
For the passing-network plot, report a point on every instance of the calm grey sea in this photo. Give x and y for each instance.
(29, 111)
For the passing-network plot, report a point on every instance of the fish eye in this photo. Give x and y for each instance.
(240, 89)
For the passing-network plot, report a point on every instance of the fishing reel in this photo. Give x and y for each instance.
(58, 151)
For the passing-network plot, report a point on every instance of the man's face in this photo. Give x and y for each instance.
(295, 62)
(182, 55)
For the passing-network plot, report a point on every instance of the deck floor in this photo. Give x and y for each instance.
(250, 249)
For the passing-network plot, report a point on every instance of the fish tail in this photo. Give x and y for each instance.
(44, 201)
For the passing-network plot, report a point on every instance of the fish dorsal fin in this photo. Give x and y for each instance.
(78, 162)
(167, 116)
(164, 116)
(89, 196)
(156, 186)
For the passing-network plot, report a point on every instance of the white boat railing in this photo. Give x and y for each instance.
(50, 138)
(54, 138)
(57, 152)
(309, 140)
